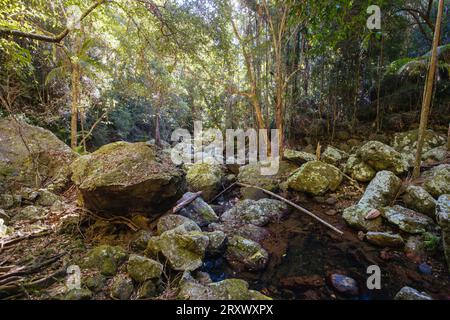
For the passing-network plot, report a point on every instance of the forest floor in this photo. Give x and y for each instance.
(303, 254)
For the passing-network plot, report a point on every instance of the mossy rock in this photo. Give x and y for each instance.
(418, 199)
(333, 156)
(172, 221)
(382, 190)
(105, 258)
(408, 220)
(44, 153)
(438, 181)
(251, 174)
(228, 289)
(298, 157)
(358, 169)
(385, 239)
(204, 177)
(141, 268)
(380, 157)
(355, 216)
(316, 178)
(199, 211)
(246, 254)
(184, 250)
(443, 219)
(124, 177)
(122, 287)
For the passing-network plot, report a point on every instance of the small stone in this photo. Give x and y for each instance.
(344, 284)
(355, 216)
(46, 198)
(173, 221)
(147, 290)
(408, 293)
(95, 282)
(140, 240)
(199, 211)
(418, 199)
(385, 239)
(247, 254)
(331, 212)
(331, 201)
(425, 268)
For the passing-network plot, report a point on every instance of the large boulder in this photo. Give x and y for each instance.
(382, 157)
(204, 177)
(184, 250)
(245, 254)
(122, 176)
(316, 178)
(418, 199)
(258, 213)
(26, 150)
(408, 220)
(438, 180)
(381, 191)
(358, 169)
(443, 219)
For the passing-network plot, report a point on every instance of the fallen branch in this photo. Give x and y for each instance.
(221, 193)
(294, 205)
(186, 201)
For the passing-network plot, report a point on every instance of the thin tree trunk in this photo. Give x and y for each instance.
(428, 91)
(76, 76)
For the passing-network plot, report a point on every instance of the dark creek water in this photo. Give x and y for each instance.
(303, 256)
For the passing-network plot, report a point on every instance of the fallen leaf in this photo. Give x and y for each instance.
(373, 214)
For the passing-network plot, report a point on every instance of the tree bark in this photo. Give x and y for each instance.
(428, 91)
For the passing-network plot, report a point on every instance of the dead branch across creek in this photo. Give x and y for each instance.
(296, 206)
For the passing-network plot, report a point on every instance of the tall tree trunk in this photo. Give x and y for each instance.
(76, 77)
(428, 91)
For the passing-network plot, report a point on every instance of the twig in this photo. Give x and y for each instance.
(186, 201)
(353, 181)
(292, 204)
(221, 193)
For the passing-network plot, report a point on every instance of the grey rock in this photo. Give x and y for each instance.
(408, 293)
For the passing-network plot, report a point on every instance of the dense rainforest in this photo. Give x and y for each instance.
(225, 149)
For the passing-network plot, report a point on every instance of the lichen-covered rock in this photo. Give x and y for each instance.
(141, 268)
(407, 219)
(30, 213)
(356, 215)
(184, 250)
(6, 201)
(251, 174)
(406, 142)
(105, 258)
(49, 155)
(228, 289)
(298, 157)
(408, 293)
(359, 170)
(418, 199)
(199, 211)
(258, 213)
(204, 177)
(316, 178)
(217, 242)
(95, 282)
(122, 287)
(149, 289)
(246, 230)
(438, 181)
(172, 221)
(443, 219)
(246, 254)
(46, 198)
(381, 191)
(382, 157)
(140, 240)
(122, 176)
(385, 239)
(333, 156)
(436, 154)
